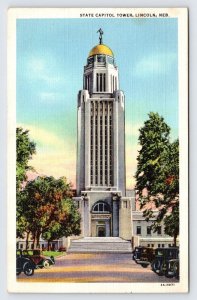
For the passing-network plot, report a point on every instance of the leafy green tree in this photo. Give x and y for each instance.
(22, 225)
(47, 207)
(157, 175)
(68, 223)
(171, 222)
(25, 148)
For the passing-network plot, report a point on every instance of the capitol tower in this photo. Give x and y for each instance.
(101, 187)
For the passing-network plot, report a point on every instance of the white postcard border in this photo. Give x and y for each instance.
(24, 287)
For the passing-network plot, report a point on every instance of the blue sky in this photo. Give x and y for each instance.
(51, 54)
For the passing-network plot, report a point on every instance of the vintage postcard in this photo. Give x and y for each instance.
(98, 150)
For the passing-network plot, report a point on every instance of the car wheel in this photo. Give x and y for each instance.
(161, 270)
(168, 276)
(176, 270)
(18, 273)
(28, 269)
(46, 264)
(144, 265)
(155, 265)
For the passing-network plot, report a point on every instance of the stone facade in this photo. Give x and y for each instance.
(144, 236)
(101, 195)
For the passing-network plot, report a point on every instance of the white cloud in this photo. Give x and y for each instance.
(44, 69)
(56, 164)
(43, 136)
(54, 156)
(155, 64)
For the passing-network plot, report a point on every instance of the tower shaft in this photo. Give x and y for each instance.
(101, 142)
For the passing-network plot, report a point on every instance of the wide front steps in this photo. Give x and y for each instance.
(100, 244)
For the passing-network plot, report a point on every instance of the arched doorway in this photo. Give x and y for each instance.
(101, 230)
(101, 219)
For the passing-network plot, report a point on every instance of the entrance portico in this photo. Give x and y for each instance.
(101, 219)
(101, 225)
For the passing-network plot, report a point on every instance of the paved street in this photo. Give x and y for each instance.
(102, 267)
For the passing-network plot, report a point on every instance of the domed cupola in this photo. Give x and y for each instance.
(102, 50)
(101, 72)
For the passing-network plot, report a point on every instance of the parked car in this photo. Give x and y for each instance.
(172, 269)
(40, 260)
(162, 258)
(146, 257)
(137, 253)
(62, 249)
(24, 264)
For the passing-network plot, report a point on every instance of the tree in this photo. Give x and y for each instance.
(157, 175)
(171, 223)
(25, 148)
(23, 228)
(48, 210)
(68, 223)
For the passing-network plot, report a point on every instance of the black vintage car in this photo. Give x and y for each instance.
(40, 260)
(172, 269)
(24, 264)
(146, 257)
(143, 255)
(137, 253)
(162, 258)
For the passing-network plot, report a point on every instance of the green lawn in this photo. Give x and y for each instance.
(53, 253)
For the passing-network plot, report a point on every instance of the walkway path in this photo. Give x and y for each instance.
(91, 267)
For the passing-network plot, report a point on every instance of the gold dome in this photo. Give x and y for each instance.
(101, 49)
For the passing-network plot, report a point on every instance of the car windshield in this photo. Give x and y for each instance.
(170, 253)
(173, 253)
(36, 252)
(159, 253)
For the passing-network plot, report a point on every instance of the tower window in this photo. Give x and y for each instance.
(87, 82)
(104, 83)
(101, 207)
(101, 58)
(110, 60)
(90, 60)
(97, 82)
(125, 204)
(101, 83)
(148, 230)
(138, 230)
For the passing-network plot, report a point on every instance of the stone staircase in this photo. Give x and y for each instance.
(100, 244)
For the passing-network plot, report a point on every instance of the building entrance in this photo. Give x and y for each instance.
(101, 219)
(101, 231)
(101, 226)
